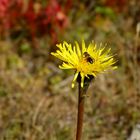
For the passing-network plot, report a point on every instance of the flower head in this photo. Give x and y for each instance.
(86, 61)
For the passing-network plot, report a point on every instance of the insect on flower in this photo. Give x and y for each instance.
(88, 57)
(85, 60)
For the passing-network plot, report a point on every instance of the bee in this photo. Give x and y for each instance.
(88, 58)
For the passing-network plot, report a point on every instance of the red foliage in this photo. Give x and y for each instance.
(3, 14)
(38, 20)
(3, 8)
(118, 5)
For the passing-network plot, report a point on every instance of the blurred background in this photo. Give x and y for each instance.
(36, 99)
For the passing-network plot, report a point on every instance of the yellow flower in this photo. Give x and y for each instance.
(86, 61)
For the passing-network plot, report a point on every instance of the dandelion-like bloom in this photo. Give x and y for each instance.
(86, 61)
